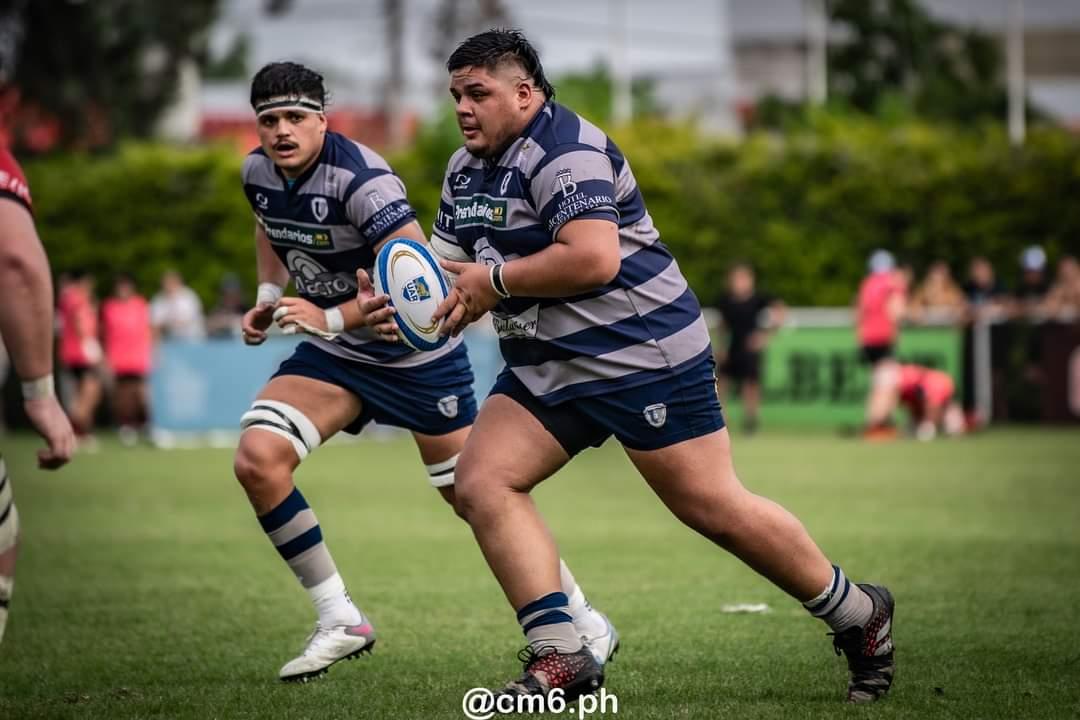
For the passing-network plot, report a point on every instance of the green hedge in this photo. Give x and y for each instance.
(806, 209)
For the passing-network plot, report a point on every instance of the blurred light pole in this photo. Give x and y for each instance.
(394, 87)
(724, 119)
(816, 26)
(622, 99)
(1015, 51)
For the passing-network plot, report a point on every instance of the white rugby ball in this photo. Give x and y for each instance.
(410, 274)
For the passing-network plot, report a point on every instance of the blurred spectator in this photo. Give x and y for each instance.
(1034, 284)
(939, 298)
(80, 350)
(1063, 299)
(128, 348)
(176, 312)
(879, 307)
(986, 295)
(224, 320)
(749, 317)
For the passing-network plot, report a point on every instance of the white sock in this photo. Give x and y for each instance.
(333, 603)
(587, 621)
(842, 604)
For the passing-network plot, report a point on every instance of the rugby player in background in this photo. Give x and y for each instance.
(542, 221)
(27, 330)
(749, 317)
(324, 205)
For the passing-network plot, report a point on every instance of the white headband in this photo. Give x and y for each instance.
(288, 102)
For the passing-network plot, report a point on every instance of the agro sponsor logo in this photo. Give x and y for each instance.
(479, 210)
(314, 280)
(522, 325)
(416, 290)
(295, 235)
(575, 205)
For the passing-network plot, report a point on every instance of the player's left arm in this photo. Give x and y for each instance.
(575, 197)
(584, 256)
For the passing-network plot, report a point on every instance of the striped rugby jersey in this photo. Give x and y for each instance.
(326, 226)
(644, 325)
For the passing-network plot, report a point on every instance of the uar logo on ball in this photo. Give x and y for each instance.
(409, 273)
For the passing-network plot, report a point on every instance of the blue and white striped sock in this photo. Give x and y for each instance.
(295, 532)
(546, 622)
(842, 604)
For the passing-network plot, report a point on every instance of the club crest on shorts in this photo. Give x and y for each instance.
(416, 290)
(655, 414)
(319, 208)
(448, 406)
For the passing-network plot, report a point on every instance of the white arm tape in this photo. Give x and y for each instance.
(335, 321)
(42, 387)
(268, 294)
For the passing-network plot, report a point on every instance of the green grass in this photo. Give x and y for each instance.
(145, 588)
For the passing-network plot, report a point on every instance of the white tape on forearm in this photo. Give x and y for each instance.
(335, 321)
(268, 294)
(42, 387)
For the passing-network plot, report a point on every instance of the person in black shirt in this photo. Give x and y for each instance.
(748, 316)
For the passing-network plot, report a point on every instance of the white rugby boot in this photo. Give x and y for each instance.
(326, 646)
(604, 645)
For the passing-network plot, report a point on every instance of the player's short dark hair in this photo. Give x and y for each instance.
(491, 48)
(287, 78)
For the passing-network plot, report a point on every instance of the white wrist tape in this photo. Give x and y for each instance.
(268, 294)
(335, 321)
(42, 387)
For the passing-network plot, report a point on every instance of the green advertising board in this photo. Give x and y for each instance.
(814, 376)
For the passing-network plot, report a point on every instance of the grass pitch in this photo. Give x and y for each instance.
(146, 590)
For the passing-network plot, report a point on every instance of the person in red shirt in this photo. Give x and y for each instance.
(80, 349)
(125, 319)
(927, 395)
(879, 307)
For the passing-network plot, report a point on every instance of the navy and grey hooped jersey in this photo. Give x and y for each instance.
(327, 225)
(644, 324)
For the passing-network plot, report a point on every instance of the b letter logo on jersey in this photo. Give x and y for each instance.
(319, 208)
(564, 182)
(416, 290)
(656, 414)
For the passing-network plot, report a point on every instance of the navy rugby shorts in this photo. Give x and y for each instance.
(647, 417)
(432, 399)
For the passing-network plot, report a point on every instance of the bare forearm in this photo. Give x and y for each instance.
(26, 320)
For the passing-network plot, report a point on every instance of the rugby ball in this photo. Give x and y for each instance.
(410, 274)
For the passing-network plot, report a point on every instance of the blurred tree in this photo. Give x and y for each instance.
(233, 64)
(108, 68)
(589, 93)
(890, 50)
(891, 59)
